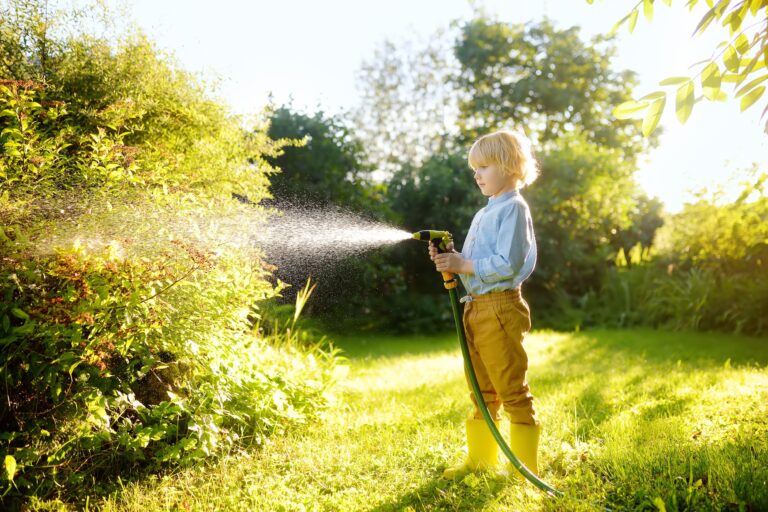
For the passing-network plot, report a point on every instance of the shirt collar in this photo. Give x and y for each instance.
(502, 197)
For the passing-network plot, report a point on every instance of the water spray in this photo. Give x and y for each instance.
(441, 240)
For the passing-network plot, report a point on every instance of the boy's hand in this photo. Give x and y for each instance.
(453, 262)
(433, 249)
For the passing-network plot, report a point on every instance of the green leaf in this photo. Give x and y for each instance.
(731, 59)
(751, 85)
(705, 20)
(733, 78)
(720, 7)
(633, 20)
(741, 43)
(675, 80)
(748, 100)
(720, 96)
(734, 20)
(18, 313)
(749, 65)
(98, 415)
(684, 101)
(11, 131)
(73, 366)
(618, 25)
(711, 81)
(659, 504)
(653, 116)
(627, 109)
(10, 467)
(648, 9)
(654, 96)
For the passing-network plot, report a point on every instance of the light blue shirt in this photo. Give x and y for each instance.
(501, 245)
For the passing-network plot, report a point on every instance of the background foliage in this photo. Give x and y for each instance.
(588, 210)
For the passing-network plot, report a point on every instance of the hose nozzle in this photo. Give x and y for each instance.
(440, 239)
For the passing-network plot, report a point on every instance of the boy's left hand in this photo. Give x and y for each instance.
(452, 262)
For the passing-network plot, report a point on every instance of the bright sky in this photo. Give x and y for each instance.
(311, 50)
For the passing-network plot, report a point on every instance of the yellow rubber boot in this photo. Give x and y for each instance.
(482, 451)
(524, 442)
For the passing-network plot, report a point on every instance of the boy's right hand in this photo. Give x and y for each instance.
(433, 249)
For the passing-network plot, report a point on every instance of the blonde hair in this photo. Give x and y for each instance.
(509, 150)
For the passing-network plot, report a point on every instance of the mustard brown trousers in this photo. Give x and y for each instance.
(495, 325)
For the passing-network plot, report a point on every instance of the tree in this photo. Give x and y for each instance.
(545, 80)
(328, 166)
(740, 60)
(558, 87)
(584, 198)
(408, 104)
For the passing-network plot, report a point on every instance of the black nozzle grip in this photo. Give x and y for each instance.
(438, 242)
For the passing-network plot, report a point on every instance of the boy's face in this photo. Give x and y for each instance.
(492, 181)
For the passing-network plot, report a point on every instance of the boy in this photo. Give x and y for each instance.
(498, 255)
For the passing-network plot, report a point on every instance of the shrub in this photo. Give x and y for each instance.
(130, 324)
(707, 275)
(111, 364)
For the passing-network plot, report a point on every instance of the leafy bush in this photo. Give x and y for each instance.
(694, 299)
(706, 272)
(131, 337)
(111, 363)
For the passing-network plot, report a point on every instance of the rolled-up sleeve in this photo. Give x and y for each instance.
(514, 243)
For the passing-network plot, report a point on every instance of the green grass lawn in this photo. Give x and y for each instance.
(633, 420)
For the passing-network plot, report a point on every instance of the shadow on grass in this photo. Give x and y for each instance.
(603, 349)
(640, 368)
(599, 349)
